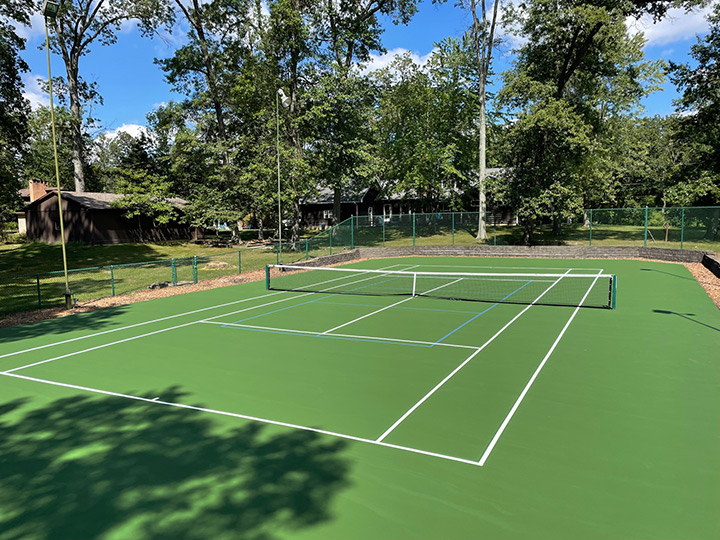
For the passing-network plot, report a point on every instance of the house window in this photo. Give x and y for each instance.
(327, 214)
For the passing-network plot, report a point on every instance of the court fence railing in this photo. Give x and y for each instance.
(673, 227)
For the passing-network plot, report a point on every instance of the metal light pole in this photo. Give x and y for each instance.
(279, 95)
(50, 10)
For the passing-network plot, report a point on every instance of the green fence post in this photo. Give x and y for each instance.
(195, 277)
(453, 228)
(590, 228)
(352, 233)
(239, 261)
(307, 249)
(383, 221)
(37, 278)
(112, 279)
(413, 219)
(174, 272)
(277, 253)
(267, 277)
(330, 238)
(682, 228)
(646, 221)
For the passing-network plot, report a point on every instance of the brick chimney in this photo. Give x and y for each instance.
(37, 190)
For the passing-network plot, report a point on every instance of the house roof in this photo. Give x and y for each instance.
(100, 201)
(325, 195)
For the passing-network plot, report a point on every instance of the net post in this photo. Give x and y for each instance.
(352, 233)
(112, 279)
(239, 261)
(590, 227)
(174, 272)
(413, 223)
(646, 223)
(613, 292)
(307, 249)
(414, 283)
(682, 228)
(195, 273)
(453, 228)
(37, 279)
(267, 277)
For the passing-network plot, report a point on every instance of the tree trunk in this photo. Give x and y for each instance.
(337, 206)
(261, 233)
(528, 231)
(482, 232)
(557, 225)
(78, 145)
(295, 232)
(586, 220)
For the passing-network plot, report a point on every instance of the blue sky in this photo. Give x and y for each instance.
(132, 85)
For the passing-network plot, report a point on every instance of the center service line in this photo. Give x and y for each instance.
(473, 355)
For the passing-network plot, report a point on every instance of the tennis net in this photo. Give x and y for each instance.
(586, 290)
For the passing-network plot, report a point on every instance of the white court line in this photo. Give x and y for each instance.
(514, 408)
(165, 330)
(245, 417)
(388, 307)
(316, 333)
(137, 324)
(161, 319)
(453, 372)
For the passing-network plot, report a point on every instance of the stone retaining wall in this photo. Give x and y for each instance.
(560, 252)
(712, 263)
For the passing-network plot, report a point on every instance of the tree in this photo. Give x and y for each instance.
(349, 31)
(698, 180)
(78, 25)
(577, 73)
(14, 108)
(423, 120)
(38, 161)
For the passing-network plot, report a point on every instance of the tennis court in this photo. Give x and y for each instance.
(338, 404)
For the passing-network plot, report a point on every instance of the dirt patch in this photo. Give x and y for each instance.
(214, 265)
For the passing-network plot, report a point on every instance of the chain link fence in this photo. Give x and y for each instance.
(672, 227)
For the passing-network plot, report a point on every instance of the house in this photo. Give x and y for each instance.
(317, 209)
(91, 218)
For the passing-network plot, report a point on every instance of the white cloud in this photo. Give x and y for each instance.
(34, 92)
(35, 30)
(381, 61)
(676, 26)
(135, 130)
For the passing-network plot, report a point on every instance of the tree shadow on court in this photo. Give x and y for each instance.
(101, 319)
(85, 467)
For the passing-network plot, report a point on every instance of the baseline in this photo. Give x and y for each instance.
(245, 417)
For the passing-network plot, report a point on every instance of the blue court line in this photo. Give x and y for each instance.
(400, 307)
(482, 312)
(328, 336)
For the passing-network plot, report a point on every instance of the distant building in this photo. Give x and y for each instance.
(90, 218)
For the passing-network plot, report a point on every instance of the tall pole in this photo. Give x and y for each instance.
(277, 145)
(68, 293)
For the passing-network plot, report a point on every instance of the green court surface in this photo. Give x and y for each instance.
(246, 413)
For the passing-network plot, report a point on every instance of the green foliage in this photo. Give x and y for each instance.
(699, 130)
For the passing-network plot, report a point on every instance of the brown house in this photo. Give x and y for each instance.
(90, 218)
